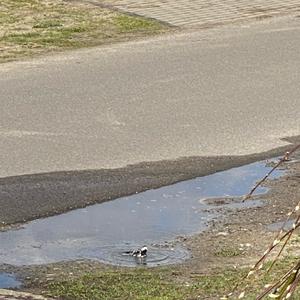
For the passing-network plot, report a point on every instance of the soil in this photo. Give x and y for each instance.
(246, 230)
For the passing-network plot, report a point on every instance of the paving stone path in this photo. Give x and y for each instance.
(205, 13)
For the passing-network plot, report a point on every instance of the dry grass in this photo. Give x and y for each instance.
(30, 27)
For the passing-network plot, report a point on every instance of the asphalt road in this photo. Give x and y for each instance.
(227, 91)
(221, 92)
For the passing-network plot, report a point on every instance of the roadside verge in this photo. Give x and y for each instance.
(32, 27)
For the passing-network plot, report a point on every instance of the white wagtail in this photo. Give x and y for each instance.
(141, 252)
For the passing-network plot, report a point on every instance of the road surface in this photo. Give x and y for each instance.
(226, 91)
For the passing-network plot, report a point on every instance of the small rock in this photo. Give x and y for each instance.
(222, 233)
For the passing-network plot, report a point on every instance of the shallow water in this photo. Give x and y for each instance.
(8, 281)
(104, 231)
(158, 255)
(283, 225)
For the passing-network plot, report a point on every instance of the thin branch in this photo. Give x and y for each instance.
(286, 241)
(289, 281)
(280, 162)
(273, 286)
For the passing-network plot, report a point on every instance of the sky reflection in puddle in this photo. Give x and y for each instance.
(150, 217)
(8, 281)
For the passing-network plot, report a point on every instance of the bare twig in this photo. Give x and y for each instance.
(286, 285)
(273, 286)
(282, 160)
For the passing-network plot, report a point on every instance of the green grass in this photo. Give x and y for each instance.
(138, 284)
(143, 285)
(228, 252)
(161, 284)
(126, 23)
(30, 27)
(48, 24)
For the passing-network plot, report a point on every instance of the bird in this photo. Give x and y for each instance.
(140, 252)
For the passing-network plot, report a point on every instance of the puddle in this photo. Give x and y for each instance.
(286, 226)
(157, 255)
(104, 231)
(8, 281)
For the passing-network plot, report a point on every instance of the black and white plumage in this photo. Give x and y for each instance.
(141, 252)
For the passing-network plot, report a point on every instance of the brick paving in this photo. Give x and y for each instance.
(187, 13)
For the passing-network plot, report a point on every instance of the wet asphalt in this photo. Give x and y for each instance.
(28, 197)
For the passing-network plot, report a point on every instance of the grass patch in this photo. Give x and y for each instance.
(162, 284)
(138, 284)
(47, 24)
(218, 285)
(126, 23)
(30, 27)
(228, 252)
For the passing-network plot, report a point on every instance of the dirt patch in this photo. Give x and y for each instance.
(13, 295)
(244, 236)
